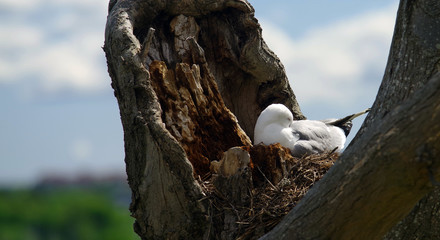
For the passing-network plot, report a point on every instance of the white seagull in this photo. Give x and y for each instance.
(303, 137)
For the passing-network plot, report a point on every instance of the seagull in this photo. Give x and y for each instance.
(303, 137)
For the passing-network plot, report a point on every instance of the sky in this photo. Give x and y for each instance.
(59, 116)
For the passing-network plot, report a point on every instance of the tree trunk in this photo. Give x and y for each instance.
(421, 32)
(174, 65)
(191, 78)
(422, 223)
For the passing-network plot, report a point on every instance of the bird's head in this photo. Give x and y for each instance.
(346, 127)
(276, 113)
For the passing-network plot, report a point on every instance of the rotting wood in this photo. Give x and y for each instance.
(194, 113)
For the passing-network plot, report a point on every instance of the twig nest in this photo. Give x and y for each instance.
(253, 188)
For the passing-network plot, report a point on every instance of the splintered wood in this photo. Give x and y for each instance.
(194, 113)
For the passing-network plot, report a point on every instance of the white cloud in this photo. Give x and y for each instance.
(61, 52)
(64, 52)
(18, 5)
(65, 65)
(335, 63)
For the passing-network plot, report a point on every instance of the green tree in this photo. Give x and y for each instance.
(63, 215)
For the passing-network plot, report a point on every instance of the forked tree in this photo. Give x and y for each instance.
(191, 78)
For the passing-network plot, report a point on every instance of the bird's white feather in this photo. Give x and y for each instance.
(275, 125)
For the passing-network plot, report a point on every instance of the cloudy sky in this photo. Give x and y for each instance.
(59, 115)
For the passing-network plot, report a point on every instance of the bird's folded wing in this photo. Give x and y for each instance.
(310, 130)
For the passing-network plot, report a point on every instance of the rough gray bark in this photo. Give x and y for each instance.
(420, 61)
(417, 46)
(422, 223)
(386, 169)
(174, 65)
(181, 68)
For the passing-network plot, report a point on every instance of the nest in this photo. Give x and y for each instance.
(268, 202)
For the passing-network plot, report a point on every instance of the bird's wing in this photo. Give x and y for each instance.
(338, 138)
(306, 147)
(316, 137)
(310, 129)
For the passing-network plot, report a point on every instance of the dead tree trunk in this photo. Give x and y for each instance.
(175, 66)
(191, 78)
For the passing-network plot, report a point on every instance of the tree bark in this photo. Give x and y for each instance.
(177, 69)
(423, 22)
(191, 78)
(422, 223)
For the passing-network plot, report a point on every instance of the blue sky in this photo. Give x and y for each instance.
(59, 115)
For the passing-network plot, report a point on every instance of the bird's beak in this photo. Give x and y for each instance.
(360, 113)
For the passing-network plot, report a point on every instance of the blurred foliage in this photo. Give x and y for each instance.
(70, 214)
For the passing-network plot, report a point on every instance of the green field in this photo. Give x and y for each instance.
(63, 214)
